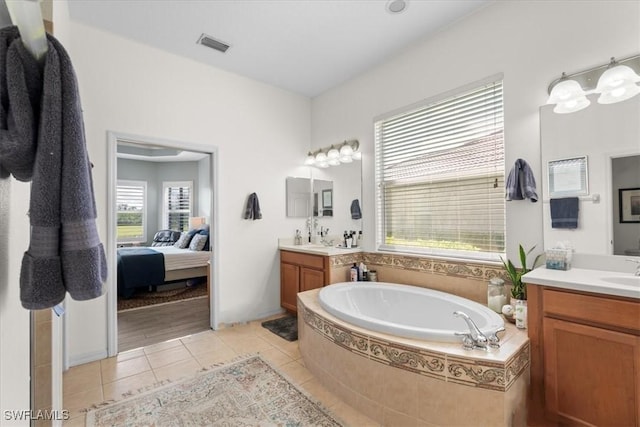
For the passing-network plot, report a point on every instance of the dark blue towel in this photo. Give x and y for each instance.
(564, 212)
(355, 209)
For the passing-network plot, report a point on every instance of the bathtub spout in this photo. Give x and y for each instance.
(474, 338)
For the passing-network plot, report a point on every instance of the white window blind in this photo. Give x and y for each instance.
(177, 205)
(440, 177)
(131, 211)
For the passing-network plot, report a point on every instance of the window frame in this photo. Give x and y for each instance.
(165, 201)
(145, 208)
(380, 211)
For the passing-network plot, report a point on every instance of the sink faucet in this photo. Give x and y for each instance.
(474, 338)
(637, 273)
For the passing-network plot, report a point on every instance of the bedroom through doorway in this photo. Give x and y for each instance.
(161, 227)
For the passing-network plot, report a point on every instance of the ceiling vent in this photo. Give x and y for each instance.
(209, 41)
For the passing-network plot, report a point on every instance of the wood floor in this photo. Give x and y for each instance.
(154, 324)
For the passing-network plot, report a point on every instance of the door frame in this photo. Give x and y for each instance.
(111, 249)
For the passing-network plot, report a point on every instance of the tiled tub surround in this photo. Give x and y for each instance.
(466, 279)
(402, 381)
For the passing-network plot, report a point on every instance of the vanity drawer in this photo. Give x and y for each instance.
(307, 260)
(608, 312)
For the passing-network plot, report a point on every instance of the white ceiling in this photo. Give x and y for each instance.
(306, 46)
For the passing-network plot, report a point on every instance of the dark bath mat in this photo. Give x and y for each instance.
(285, 327)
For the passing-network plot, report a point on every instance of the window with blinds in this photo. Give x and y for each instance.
(131, 200)
(440, 176)
(177, 205)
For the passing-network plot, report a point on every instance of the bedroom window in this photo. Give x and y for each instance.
(440, 175)
(177, 205)
(131, 201)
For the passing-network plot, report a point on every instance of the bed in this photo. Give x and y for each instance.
(141, 267)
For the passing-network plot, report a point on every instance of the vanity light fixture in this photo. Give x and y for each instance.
(616, 82)
(568, 96)
(335, 155)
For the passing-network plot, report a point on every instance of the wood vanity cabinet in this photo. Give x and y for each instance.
(300, 272)
(585, 358)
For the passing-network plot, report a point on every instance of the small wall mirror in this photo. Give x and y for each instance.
(298, 197)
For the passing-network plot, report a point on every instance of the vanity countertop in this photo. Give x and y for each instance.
(587, 280)
(317, 249)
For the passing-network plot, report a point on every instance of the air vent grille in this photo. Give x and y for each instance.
(209, 41)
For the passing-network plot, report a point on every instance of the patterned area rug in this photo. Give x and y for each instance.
(286, 327)
(145, 298)
(245, 393)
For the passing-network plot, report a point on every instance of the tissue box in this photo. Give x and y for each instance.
(558, 259)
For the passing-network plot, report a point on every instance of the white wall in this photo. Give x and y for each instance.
(530, 42)
(261, 133)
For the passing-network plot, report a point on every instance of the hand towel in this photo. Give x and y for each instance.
(252, 209)
(521, 182)
(564, 212)
(355, 209)
(65, 253)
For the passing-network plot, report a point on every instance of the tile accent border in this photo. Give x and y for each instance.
(462, 269)
(470, 372)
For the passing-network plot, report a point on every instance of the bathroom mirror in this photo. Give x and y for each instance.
(609, 136)
(334, 191)
(322, 198)
(298, 197)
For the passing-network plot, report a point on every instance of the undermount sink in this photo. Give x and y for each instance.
(623, 280)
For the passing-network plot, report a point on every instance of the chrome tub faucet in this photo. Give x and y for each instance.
(637, 273)
(475, 339)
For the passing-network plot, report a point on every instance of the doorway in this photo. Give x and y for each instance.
(158, 191)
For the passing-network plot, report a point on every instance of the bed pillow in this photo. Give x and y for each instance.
(205, 232)
(183, 241)
(198, 242)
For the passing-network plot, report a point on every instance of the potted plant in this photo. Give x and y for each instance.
(518, 288)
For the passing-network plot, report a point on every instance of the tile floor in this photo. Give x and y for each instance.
(108, 379)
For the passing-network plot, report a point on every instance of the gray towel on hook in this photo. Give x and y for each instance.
(521, 183)
(356, 213)
(252, 209)
(65, 252)
(20, 93)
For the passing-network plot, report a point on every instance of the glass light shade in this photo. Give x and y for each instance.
(333, 153)
(323, 164)
(310, 160)
(565, 90)
(572, 105)
(619, 94)
(346, 159)
(346, 150)
(357, 155)
(321, 157)
(334, 162)
(616, 76)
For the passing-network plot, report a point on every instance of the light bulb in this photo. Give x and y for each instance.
(333, 153)
(619, 94)
(321, 157)
(346, 150)
(310, 160)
